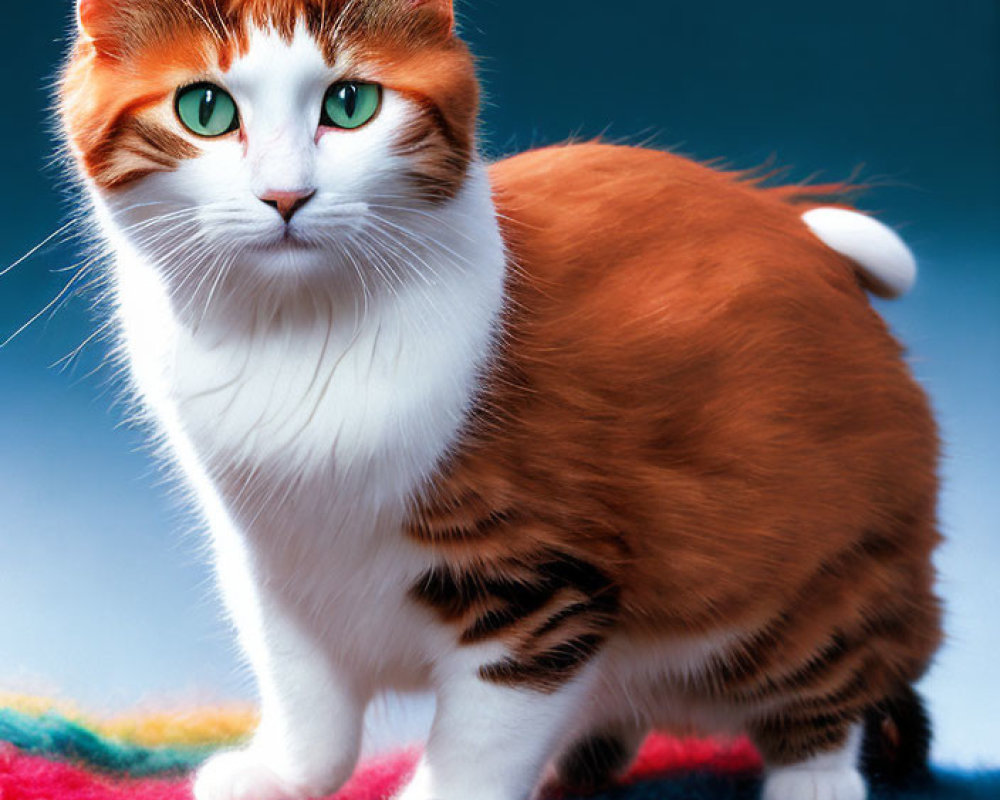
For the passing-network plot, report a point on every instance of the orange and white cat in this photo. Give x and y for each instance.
(588, 441)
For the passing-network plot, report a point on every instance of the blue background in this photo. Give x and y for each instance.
(104, 592)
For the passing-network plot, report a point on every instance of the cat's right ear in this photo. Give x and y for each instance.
(94, 18)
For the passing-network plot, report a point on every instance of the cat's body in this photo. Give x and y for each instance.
(590, 441)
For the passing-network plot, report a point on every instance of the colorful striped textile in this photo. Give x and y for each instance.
(52, 752)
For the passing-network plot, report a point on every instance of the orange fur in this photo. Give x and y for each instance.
(132, 57)
(695, 398)
(695, 421)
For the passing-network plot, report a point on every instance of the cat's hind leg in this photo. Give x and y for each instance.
(596, 759)
(831, 770)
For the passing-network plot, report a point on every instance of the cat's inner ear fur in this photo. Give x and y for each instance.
(440, 13)
(98, 22)
(94, 16)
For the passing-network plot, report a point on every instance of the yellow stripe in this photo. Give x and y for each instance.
(212, 725)
(205, 726)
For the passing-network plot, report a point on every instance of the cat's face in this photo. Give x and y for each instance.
(285, 136)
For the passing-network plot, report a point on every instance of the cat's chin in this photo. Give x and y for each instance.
(291, 256)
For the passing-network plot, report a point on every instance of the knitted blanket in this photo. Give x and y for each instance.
(49, 752)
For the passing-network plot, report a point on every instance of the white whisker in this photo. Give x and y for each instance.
(48, 239)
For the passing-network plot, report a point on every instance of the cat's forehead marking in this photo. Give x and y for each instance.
(271, 57)
(276, 77)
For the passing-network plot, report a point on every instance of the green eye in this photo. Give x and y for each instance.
(350, 105)
(207, 110)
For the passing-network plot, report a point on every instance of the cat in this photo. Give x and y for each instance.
(588, 441)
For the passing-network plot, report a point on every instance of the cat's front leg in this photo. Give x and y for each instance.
(490, 741)
(308, 740)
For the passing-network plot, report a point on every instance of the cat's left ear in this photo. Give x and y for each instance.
(440, 12)
(93, 15)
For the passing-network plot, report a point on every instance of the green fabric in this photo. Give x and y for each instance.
(54, 735)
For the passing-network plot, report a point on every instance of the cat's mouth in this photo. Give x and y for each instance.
(290, 237)
(288, 240)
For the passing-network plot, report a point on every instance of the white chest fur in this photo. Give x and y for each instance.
(373, 396)
(375, 386)
(305, 433)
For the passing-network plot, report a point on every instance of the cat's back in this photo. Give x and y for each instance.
(707, 366)
(699, 302)
(592, 214)
(622, 252)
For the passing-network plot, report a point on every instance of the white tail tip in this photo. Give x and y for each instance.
(883, 258)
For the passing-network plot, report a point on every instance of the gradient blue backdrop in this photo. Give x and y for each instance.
(103, 590)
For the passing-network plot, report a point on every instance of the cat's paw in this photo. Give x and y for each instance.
(243, 775)
(418, 787)
(801, 783)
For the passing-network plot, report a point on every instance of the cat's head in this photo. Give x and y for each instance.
(286, 131)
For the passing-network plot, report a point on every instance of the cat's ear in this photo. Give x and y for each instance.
(439, 12)
(94, 16)
(99, 22)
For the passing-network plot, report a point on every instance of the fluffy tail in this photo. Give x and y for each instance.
(885, 262)
(897, 742)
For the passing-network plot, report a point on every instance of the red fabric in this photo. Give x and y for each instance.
(662, 754)
(24, 777)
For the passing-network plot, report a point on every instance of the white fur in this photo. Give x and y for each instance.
(491, 742)
(306, 390)
(644, 686)
(878, 250)
(307, 393)
(829, 776)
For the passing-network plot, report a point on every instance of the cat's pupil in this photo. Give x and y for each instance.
(349, 96)
(207, 107)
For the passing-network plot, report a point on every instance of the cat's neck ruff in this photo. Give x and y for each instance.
(372, 390)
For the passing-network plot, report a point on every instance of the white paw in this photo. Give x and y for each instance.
(802, 783)
(242, 775)
(419, 787)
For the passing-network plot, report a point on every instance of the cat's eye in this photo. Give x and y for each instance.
(350, 104)
(206, 110)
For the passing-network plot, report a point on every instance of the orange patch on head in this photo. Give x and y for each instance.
(106, 101)
(131, 57)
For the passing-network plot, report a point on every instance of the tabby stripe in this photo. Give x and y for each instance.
(564, 615)
(888, 623)
(157, 159)
(819, 665)
(548, 670)
(448, 595)
(442, 165)
(489, 624)
(784, 740)
(456, 594)
(819, 668)
(513, 592)
(456, 142)
(170, 144)
(750, 658)
(454, 531)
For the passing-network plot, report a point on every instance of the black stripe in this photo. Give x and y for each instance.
(449, 595)
(563, 615)
(548, 670)
(489, 624)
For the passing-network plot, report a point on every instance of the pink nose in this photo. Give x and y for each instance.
(287, 203)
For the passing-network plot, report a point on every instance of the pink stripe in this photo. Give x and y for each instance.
(24, 777)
